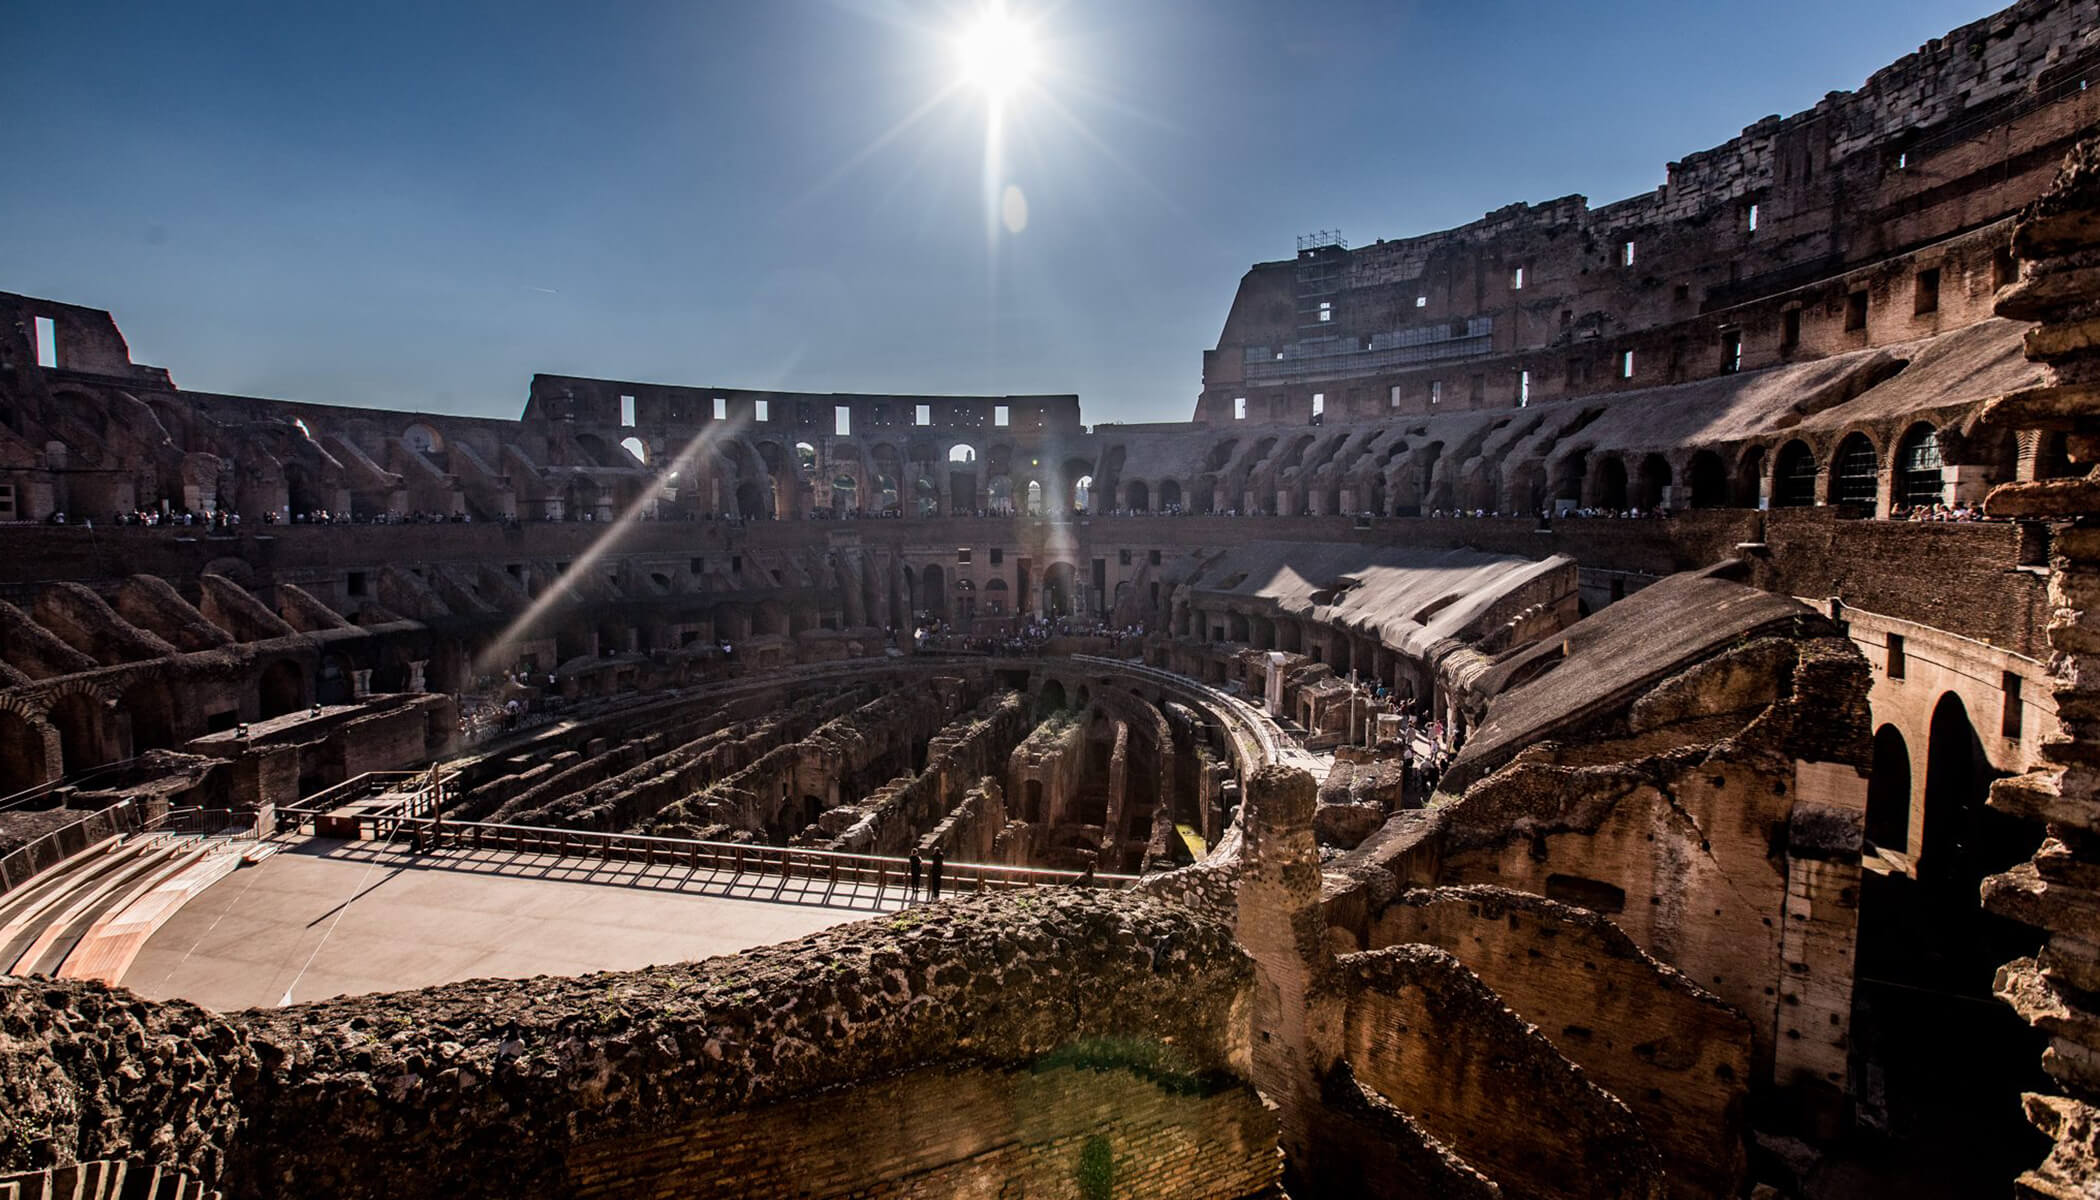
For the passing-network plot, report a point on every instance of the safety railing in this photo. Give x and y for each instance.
(732, 858)
(27, 861)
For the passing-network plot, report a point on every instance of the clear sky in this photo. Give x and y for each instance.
(418, 205)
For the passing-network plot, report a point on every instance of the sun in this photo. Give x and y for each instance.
(997, 53)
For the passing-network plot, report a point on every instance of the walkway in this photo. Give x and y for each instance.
(324, 918)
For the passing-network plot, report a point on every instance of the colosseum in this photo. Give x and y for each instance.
(1601, 701)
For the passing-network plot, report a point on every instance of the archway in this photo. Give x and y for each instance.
(637, 448)
(1136, 496)
(1059, 583)
(1920, 482)
(1035, 498)
(1655, 480)
(22, 763)
(337, 683)
(82, 739)
(1082, 493)
(1611, 483)
(1794, 476)
(282, 689)
(845, 493)
(1051, 699)
(1169, 495)
(1855, 473)
(1707, 476)
(933, 592)
(750, 501)
(150, 707)
(1750, 478)
(1888, 792)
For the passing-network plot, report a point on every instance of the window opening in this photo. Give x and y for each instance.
(46, 343)
(842, 420)
(627, 412)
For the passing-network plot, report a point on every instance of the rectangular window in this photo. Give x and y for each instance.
(1436, 391)
(46, 342)
(1626, 253)
(842, 420)
(1123, 558)
(355, 585)
(1731, 351)
(1855, 312)
(2015, 708)
(721, 408)
(7, 502)
(1625, 364)
(698, 566)
(1516, 280)
(1326, 310)
(626, 412)
(1928, 293)
(1421, 302)
(998, 556)
(1239, 408)
(1319, 403)
(962, 556)
(1896, 659)
(999, 415)
(1789, 330)
(763, 410)
(922, 414)
(1152, 557)
(1753, 218)
(1523, 389)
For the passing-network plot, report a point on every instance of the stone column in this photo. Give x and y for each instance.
(361, 683)
(2058, 246)
(416, 668)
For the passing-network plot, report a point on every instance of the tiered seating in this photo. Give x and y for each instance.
(103, 1179)
(41, 928)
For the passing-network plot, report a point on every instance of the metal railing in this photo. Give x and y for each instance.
(734, 858)
(26, 862)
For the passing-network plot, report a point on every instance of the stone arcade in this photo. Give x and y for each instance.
(1517, 739)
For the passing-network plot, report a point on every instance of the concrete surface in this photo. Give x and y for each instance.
(325, 918)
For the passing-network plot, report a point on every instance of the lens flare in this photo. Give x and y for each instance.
(997, 53)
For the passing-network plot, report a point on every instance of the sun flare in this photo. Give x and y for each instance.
(997, 53)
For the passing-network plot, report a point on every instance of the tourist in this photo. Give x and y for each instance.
(911, 875)
(933, 876)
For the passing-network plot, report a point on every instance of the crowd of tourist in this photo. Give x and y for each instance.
(1029, 637)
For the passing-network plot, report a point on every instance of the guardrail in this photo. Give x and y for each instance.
(735, 858)
(38, 792)
(1244, 720)
(27, 861)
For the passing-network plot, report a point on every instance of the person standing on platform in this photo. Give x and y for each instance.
(911, 876)
(933, 877)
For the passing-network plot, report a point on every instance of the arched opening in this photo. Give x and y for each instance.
(999, 496)
(150, 708)
(1888, 792)
(933, 592)
(1567, 484)
(1750, 478)
(636, 447)
(995, 604)
(769, 619)
(1707, 476)
(282, 689)
(1082, 493)
(336, 684)
(1137, 497)
(962, 455)
(750, 501)
(1032, 801)
(81, 741)
(1951, 1061)
(1920, 483)
(805, 459)
(1059, 582)
(1051, 699)
(1794, 476)
(1169, 495)
(423, 439)
(22, 762)
(1655, 480)
(1611, 483)
(2052, 458)
(1854, 473)
(845, 493)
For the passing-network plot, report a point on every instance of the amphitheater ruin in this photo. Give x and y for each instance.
(1597, 702)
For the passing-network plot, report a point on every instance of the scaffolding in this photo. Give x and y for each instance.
(1323, 261)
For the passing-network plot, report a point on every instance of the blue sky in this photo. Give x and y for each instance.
(420, 205)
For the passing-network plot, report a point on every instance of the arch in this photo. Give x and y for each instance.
(422, 439)
(1169, 495)
(150, 706)
(962, 454)
(1957, 782)
(1888, 791)
(1035, 498)
(1855, 472)
(1794, 476)
(24, 761)
(337, 683)
(636, 447)
(1060, 587)
(1654, 479)
(1137, 497)
(750, 500)
(1707, 477)
(1920, 482)
(995, 597)
(1082, 493)
(1610, 489)
(2052, 459)
(769, 618)
(805, 459)
(845, 492)
(1567, 483)
(82, 732)
(1750, 478)
(1051, 699)
(933, 592)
